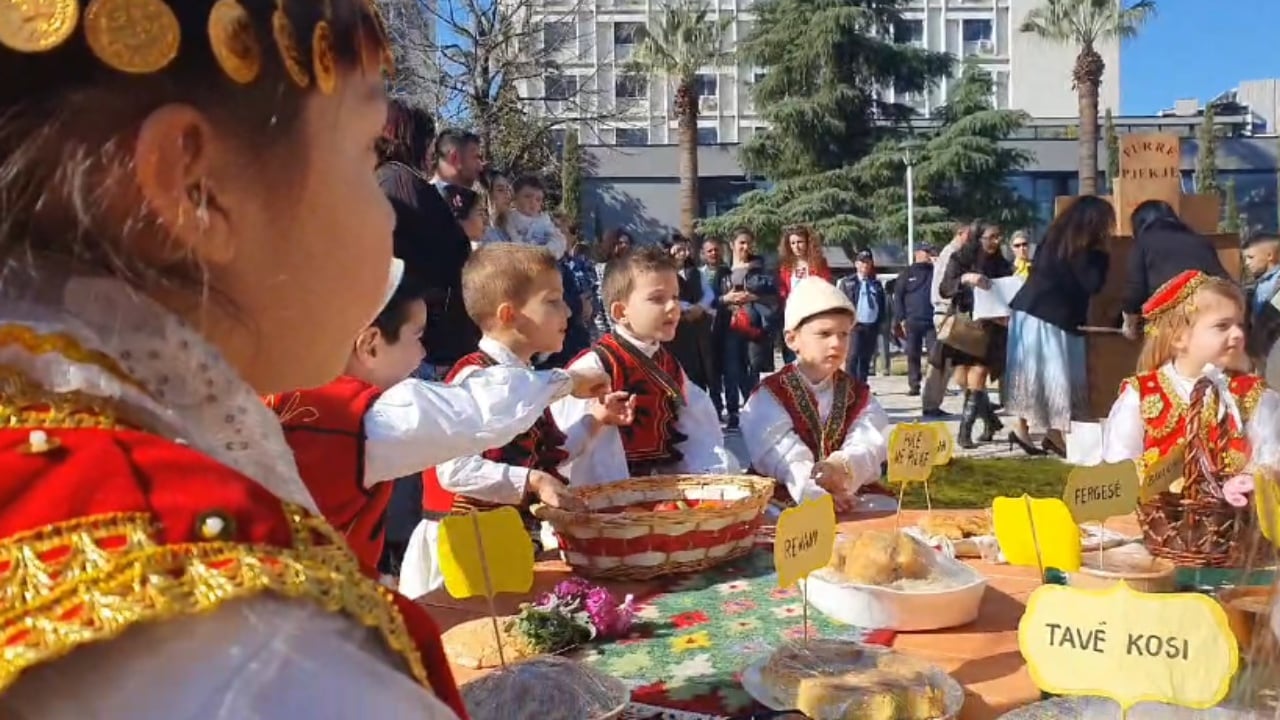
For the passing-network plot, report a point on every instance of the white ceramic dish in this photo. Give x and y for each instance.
(754, 684)
(888, 608)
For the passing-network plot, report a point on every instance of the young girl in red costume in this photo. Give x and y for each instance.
(188, 220)
(1195, 331)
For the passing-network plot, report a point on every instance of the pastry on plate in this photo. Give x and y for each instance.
(880, 558)
(472, 643)
(836, 680)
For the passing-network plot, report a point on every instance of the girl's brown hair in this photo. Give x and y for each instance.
(1162, 331)
(68, 123)
(813, 251)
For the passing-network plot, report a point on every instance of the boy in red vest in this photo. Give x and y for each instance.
(514, 294)
(811, 426)
(372, 425)
(676, 428)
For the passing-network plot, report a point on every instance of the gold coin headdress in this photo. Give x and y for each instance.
(144, 36)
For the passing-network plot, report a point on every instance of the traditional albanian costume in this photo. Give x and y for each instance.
(1229, 419)
(490, 474)
(676, 428)
(153, 525)
(350, 438)
(791, 423)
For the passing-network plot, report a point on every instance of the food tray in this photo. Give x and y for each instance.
(876, 606)
(1095, 708)
(754, 684)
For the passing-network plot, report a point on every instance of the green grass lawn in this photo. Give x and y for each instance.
(973, 483)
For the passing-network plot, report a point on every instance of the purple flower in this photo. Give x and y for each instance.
(611, 619)
(573, 589)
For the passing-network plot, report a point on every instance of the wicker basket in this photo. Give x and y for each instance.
(643, 545)
(1198, 527)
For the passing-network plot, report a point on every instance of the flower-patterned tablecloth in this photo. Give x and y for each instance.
(692, 640)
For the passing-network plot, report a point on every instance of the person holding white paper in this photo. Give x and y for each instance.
(974, 265)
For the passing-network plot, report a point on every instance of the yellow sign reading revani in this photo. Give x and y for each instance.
(1165, 474)
(1097, 492)
(1129, 646)
(804, 539)
(912, 450)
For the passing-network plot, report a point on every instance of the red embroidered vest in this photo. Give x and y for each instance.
(104, 504)
(848, 399)
(658, 386)
(325, 428)
(541, 447)
(1164, 417)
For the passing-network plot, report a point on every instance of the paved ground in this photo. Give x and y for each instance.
(891, 391)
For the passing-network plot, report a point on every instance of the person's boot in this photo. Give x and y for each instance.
(964, 436)
(990, 421)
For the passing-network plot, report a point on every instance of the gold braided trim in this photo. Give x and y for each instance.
(65, 345)
(87, 580)
(25, 404)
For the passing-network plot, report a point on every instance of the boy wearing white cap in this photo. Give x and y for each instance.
(811, 426)
(372, 425)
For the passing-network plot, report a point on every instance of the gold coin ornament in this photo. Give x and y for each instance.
(32, 26)
(323, 64)
(234, 44)
(132, 36)
(287, 44)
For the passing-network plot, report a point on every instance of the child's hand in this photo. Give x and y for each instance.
(553, 493)
(589, 382)
(616, 408)
(833, 476)
(1236, 490)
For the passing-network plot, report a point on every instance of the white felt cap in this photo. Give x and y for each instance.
(393, 279)
(813, 296)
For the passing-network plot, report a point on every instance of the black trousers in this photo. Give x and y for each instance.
(920, 335)
(863, 351)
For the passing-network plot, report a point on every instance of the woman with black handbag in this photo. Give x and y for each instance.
(975, 348)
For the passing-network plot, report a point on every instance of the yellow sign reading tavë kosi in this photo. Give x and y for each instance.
(1129, 646)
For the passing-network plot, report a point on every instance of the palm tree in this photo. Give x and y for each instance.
(684, 41)
(1084, 24)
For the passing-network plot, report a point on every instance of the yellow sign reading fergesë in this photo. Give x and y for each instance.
(1129, 646)
(1097, 492)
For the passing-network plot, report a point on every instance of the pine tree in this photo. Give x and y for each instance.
(1231, 215)
(571, 179)
(960, 170)
(1206, 175)
(1113, 151)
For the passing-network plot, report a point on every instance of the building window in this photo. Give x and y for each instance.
(559, 35)
(626, 33)
(631, 87)
(978, 37)
(909, 32)
(708, 136)
(558, 137)
(632, 137)
(706, 85)
(561, 87)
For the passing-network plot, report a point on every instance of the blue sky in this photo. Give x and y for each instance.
(1199, 48)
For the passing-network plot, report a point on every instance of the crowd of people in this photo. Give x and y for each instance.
(239, 367)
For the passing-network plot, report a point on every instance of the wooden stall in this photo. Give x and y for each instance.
(1150, 169)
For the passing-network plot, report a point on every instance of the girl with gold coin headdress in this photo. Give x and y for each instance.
(189, 219)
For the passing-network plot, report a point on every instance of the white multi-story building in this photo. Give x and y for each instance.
(594, 39)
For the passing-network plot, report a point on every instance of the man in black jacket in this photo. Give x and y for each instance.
(1163, 247)
(913, 312)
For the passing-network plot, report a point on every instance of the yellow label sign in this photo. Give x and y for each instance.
(912, 448)
(483, 554)
(1036, 532)
(945, 445)
(804, 539)
(1097, 492)
(1129, 646)
(1164, 474)
(1266, 501)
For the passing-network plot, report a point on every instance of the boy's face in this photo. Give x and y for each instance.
(385, 363)
(822, 342)
(543, 318)
(529, 201)
(652, 311)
